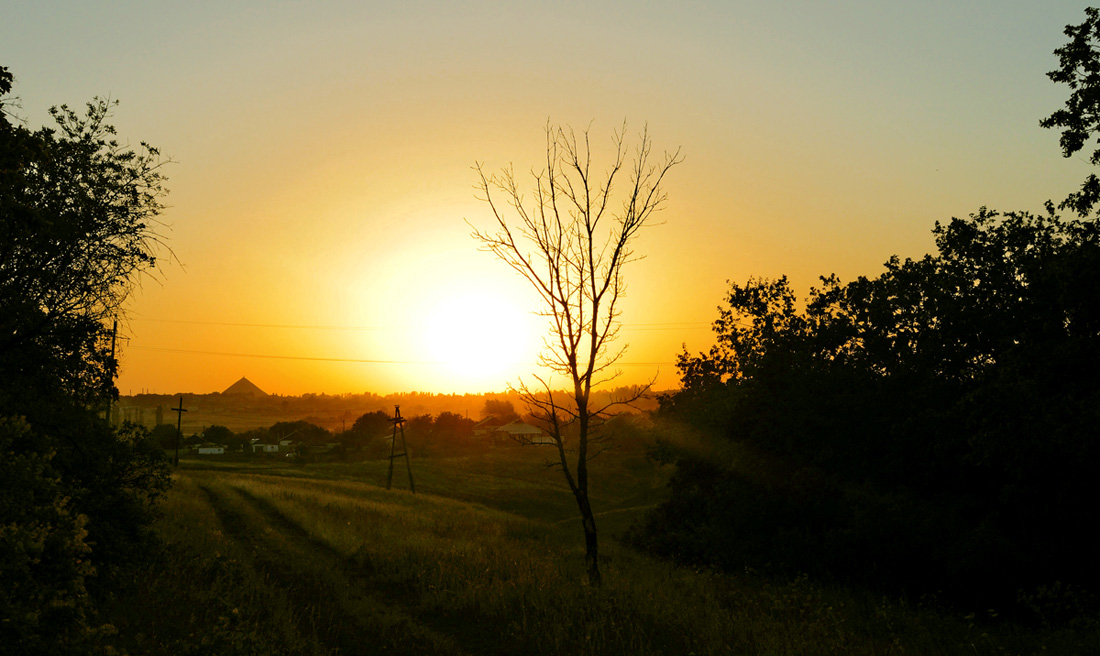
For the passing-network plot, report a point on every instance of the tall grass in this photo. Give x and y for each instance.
(332, 565)
(200, 596)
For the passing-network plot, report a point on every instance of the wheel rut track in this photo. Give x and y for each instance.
(318, 576)
(314, 610)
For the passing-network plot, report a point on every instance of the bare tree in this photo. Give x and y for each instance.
(571, 242)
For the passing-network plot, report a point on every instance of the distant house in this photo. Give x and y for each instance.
(486, 426)
(517, 431)
(211, 450)
(263, 447)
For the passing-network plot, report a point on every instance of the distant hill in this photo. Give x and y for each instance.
(244, 387)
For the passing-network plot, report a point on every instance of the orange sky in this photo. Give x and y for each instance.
(323, 181)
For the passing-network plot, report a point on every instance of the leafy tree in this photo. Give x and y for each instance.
(1079, 120)
(221, 435)
(164, 435)
(572, 242)
(299, 431)
(372, 423)
(452, 427)
(419, 424)
(369, 435)
(78, 214)
(217, 434)
(447, 433)
(43, 549)
(501, 408)
(932, 428)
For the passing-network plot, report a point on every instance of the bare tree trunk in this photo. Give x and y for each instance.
(571, 243)
(591, 547)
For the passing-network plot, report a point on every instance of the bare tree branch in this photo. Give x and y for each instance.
(572, 246)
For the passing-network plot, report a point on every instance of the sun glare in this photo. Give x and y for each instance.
(479, 339)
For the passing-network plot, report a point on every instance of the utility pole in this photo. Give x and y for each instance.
(399, 422)
(114, 371)
(179, 429)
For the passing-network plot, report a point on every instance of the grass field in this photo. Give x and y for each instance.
(487, 558)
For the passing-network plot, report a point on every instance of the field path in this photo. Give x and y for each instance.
(339, 599)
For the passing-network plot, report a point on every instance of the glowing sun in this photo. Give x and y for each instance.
(480, 338)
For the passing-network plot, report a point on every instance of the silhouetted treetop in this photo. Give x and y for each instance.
(959, 391)
(1079, 120)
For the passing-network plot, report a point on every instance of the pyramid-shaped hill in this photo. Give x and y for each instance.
(246, 388)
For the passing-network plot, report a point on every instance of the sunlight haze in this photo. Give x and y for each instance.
(324, 151)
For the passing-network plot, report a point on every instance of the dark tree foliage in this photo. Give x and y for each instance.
(218, 435)
(367, 430)
(447, 434)
(299, 431)
(43, 547)
(164, 435)
(368, 437)
(1079, 120)
(453, 428)
(77, 213)
(933, 429)
(502, 408)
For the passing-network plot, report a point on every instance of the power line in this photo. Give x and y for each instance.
(155, 349)
(681, 325)
(257, 325)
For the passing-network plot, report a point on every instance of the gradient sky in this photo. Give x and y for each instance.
(323, 155)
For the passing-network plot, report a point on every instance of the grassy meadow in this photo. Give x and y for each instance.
(273, 557)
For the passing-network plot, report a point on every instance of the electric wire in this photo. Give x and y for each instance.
(157, 349)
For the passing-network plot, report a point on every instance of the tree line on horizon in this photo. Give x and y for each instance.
(310, 402)
(366, 438)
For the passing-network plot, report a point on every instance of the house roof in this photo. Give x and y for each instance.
(519, 428)
(490, 422)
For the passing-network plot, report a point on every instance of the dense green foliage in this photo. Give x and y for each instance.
(933, 429)
(75, 212)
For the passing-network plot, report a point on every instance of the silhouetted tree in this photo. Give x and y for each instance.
(299, 431)
(79, 214)
(366, 433)
(222, 435)
(78, 218)
(164, 435)
(931, 428)
(452, 427)
(421, 424)
(572, 243)
(502, 408)
(371, 424)
(1079, 120)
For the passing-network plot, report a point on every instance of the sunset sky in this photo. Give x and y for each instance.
(323, 154)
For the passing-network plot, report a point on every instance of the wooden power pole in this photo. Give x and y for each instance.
(114, 371)
(399, 422)
(179, 430)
